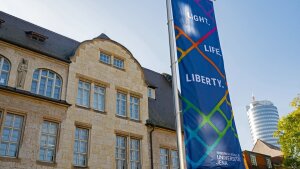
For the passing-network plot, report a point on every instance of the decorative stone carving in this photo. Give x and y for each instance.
(22, 71)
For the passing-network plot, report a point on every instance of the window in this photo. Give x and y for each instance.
(253, 160)
(175, 159)
(11, 134)
(99, 98)
(46, 83)
(269, 162)
(105, 58)
(118, 63)
(81, 147)
(83, 95)
(120, 152)
(121, 104)
(4, 70)
(134, 154)
(134, 108)
(164, 158)
(48, 141)
(151, 93)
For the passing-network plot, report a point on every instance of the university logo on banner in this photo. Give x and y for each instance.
(211, 139)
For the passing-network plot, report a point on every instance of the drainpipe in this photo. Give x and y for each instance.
(151, 146)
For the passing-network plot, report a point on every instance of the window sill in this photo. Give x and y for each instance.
(80, 167)
(82, 107)
(100, 112)
(45, 163)
(122, 117)
(10, 159)
(137, 121)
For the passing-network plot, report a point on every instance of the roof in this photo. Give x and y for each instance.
(270, 145)
(14, 29)
(161, 109)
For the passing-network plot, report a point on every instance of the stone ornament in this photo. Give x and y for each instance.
(22, 71)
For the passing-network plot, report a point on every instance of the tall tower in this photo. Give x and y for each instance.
(263, 120)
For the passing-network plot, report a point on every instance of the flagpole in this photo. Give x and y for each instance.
(174, 82)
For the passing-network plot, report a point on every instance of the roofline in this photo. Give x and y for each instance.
(34, 50)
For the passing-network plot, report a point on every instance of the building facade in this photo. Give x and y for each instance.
(263, 120)
(257, 161)
(69, 104)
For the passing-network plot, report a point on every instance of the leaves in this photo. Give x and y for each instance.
(289, 135)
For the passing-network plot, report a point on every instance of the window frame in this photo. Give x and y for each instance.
(138, 162)
(81, 103)
(171, 159)
(269, 163)
(4, 113)
(38, 82)
(132, 109)
(106, 55)
(167, 155)
(122, 148)
(253, 160)
(56, 141)
(121, 100)
(2, 59)
(97, 93)
(119, 61)
(151, 93)
(87, 147)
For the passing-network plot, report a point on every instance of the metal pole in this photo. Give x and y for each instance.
(174, 82)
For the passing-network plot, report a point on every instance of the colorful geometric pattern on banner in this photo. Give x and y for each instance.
(211, 140)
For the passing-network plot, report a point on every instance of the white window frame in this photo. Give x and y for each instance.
(107, 59)
(2, 59)
(136, 150)
(85, 154)
(134, 108)
(151, 92)
(11, 128)
(99, 92)
(253, 159)
(118, 63)
(119, 104)
(269, 162)
(80, 99)
(166, 156)
(173, 166)
(119, 148)
(48, 134)
(38, 81)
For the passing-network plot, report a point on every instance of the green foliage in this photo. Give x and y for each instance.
(289, 136)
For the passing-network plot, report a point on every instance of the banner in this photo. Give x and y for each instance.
(211, 139)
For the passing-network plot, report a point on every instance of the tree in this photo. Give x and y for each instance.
(289, 136)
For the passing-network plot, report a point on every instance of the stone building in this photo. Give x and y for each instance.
(68, 104)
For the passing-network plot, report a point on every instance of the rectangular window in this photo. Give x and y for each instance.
(83, 95)
(269, 162)
(253, 160)
(11, 134)
(151, 93)
(99, 98)
(120, 153)
(118, 63)
(175, 161)
(104, 58)
(134, 108)
(164, 158)
(135, 154)
(121, 104)
(48, 141)
(81, 147)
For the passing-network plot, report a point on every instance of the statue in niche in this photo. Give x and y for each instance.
(22, 71)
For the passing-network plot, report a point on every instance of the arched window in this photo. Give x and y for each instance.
(47, 83)
(4, 70)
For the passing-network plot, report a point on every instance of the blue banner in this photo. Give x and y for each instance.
(211, 139)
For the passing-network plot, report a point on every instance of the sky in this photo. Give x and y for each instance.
(259, 39)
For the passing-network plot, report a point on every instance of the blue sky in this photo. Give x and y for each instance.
(260, 41)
